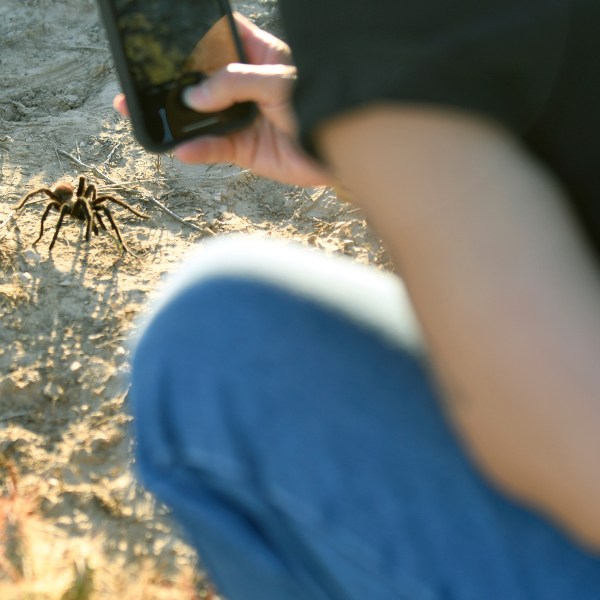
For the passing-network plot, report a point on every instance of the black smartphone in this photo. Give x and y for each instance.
(160, 47)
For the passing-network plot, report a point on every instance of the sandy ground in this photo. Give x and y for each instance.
(74, 524)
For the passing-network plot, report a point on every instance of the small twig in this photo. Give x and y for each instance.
(111, 153)
(78, 48)
(108, 179)
(7, 221)
(14, 415)
(91, 168)
(224, 176)
(126, 185)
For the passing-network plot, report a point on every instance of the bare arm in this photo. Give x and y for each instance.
(508, 296)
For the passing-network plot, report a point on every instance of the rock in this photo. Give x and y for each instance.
(31, 257)
(53, 391)
(25, 278)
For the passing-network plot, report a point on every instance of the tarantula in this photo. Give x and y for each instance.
(83, 204)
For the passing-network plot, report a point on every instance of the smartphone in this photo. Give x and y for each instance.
(160, 47)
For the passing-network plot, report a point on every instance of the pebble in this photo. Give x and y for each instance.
(75, 366)
(25, 278)
(31, 256)
(53, 391)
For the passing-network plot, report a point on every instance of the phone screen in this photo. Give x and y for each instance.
(167, 46)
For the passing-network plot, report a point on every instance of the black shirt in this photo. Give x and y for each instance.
(532, 65)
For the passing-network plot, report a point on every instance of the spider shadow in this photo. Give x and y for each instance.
(84, 258)
(69, 324)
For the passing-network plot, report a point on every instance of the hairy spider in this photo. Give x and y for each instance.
(83, 204)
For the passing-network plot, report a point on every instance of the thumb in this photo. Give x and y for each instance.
(269, 86)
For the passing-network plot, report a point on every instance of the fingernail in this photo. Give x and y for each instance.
(194, 97)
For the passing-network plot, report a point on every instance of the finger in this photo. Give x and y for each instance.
(208, 149)
(263, 84)
(246, 28)
(269, 86)
(120, 105)
(261, 47)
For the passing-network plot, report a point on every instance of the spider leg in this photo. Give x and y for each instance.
(99, 219)
(81, 186)
(89, 216)
(90, 192)
(109, 216)
(52, 204)
(46, 191)
(122, 203)
(63, 211)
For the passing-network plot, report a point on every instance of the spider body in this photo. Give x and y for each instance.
(83, 204)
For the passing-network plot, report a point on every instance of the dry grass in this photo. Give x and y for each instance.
(40, 562)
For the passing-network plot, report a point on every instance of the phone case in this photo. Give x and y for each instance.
(243, 113)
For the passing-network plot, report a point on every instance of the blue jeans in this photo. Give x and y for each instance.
(300, 441)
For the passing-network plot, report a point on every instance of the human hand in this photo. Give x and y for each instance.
(268, 146)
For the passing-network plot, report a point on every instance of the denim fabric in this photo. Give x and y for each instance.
(307, 457)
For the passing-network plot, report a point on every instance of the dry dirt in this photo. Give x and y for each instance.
(74, 524)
